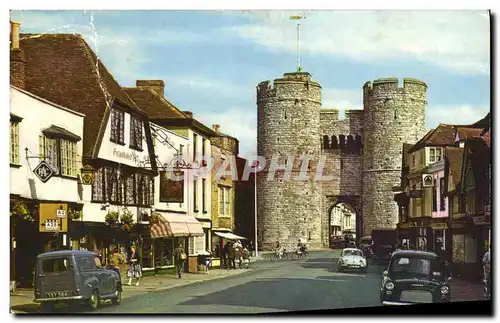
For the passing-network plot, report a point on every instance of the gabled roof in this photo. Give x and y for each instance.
(62, 68)
(454, 156)
(442, 136)
(153, 104)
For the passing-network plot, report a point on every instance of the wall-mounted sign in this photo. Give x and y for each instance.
(53, 217)
(416, 193)
(87, 175)
(131, 155)
(43, 171)
(439, 226)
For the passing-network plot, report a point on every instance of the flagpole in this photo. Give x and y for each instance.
(298, 18)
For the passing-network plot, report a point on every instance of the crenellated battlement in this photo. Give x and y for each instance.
(388, 87)
(290, 83)
(346, 143)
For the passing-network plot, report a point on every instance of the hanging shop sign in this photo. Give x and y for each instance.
(43, 171)
(87, 174)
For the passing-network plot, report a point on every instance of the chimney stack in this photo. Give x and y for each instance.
(216, 128)
(17, 60)
(157, 86)
(188, 114)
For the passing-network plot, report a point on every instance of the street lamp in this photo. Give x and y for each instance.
(256, 167)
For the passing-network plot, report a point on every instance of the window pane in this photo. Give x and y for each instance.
(97, 186)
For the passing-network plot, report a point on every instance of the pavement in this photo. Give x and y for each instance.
(267, 286)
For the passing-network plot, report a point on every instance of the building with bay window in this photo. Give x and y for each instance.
(116, 142)
(41, 130)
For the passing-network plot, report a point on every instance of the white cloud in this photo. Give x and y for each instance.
(450, 114)
(455, 40)
(240, 123)
(200, 83)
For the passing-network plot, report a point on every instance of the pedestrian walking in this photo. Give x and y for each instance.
(115, 260)
(224, 256)
(231, 256)
(180, 259)
(134, 267)
(238, 253)
(486, 264)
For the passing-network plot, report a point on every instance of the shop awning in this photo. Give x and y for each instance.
(229, 235)
(176, 226)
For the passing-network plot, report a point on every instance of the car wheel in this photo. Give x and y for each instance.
(339, 269)
(118, 298)
(364, 270)
(93, 301)
(47, 307)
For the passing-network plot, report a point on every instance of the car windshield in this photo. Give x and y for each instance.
(352, 253)
(413, 266)
(55, 265)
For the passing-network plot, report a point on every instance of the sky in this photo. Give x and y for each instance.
(211, 61)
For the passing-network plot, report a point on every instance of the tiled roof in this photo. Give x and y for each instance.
(153, 104)
(443, 135)
(454, 155)
(465, 132)
(63, 69)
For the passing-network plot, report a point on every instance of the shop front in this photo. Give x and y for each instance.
(440, 245)
(167, 232)
(403, 233)
(420, 233)
(465, 242)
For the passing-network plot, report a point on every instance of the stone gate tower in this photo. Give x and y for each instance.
(393, 115)
(288, 125)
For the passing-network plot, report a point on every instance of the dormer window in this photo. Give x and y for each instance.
(435, 155)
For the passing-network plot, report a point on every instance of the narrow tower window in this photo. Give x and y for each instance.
(395, 114)
(285, 114)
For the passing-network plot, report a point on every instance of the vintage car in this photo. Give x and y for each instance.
(415, 277)
(74, 276)
(352, 258)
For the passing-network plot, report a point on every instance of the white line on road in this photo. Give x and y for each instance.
(306, 278)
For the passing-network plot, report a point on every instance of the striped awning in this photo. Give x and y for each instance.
(229, 235)
(176, 226)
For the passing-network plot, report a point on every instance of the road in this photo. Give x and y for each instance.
(272, 287)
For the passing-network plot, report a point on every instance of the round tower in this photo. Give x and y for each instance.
(393, 115)
(288, 125)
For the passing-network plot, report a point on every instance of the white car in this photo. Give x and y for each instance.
(352, 258)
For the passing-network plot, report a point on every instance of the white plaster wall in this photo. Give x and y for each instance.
(165, 155)
(109, 148)
(37, 115)
(203, 172)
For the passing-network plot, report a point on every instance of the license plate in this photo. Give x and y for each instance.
(415, 296)
(57, 294)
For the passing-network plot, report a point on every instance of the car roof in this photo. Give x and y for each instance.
(413, 253)
(350, 249)
(62, 253)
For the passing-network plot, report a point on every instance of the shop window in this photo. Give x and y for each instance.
(14, 142)
(164, 252)
(117, 126)
(135, 133)
(196, 245)
(464, 249)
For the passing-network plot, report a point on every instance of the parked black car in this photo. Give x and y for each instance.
(74, 276)
(415, 277)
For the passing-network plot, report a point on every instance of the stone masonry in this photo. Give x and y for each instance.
(363, 155)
